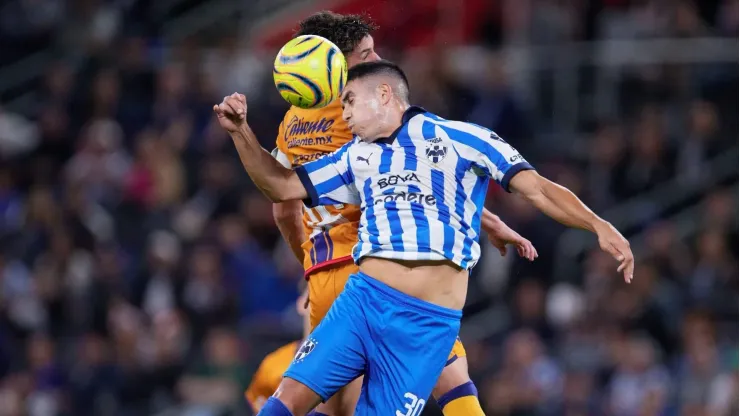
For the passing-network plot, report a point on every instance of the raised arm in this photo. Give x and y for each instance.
(563, 206)
(276, 182)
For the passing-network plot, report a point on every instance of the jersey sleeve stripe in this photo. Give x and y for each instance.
(313, 196)
(513, 171)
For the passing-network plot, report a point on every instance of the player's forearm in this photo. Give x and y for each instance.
(560, 204)
(490, 221)
(289, 219)
(275, 181)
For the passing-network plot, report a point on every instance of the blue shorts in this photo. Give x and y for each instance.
(400, 344)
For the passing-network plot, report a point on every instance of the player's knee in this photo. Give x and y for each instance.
(454, 374)
(296, 397)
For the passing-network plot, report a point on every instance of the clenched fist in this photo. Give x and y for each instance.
(232, 112)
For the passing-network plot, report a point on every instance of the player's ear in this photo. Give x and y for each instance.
(385, 92)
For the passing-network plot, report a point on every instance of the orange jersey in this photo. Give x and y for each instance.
(269, 375)
(304, 136)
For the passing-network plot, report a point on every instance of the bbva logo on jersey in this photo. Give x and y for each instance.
(308, 345)
(436, 150)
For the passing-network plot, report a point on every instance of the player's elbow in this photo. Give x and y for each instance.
(530, 185)
(286, 211)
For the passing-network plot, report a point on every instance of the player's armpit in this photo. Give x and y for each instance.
(289, 219)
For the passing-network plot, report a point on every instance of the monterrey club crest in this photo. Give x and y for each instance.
(308, 345)
(436, 150)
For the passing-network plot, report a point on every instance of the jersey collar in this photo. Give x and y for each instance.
(410, 112)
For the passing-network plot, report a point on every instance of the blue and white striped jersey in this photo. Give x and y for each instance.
(421, 190)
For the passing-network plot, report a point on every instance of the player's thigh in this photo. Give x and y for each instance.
(344, 401)
(410, 351)
(454, 374)
(333, 354)
(324, 286)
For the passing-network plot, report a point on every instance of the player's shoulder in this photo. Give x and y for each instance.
(456, 130)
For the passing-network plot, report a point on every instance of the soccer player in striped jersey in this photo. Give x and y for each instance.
(420, 181)
(322, 237)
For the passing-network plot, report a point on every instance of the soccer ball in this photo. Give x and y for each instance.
(310, 72)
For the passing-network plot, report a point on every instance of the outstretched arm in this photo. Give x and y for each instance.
(276, 182)
(563, 206)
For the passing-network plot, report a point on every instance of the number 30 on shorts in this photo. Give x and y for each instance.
(413, 406)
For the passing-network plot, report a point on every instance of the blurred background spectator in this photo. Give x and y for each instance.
(141, 273)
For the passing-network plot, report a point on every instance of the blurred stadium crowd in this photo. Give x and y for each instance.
(141, 273)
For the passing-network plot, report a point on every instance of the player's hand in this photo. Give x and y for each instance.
(502, 235)
(232, 112)
(615, 244)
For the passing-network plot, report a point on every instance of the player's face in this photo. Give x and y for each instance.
(364, 52)
(362, 109)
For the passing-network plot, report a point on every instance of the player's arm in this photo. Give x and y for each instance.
(509, 169)
(289, 220)
(288, 215)
(562, 205)
(325, 181)
(275, 181)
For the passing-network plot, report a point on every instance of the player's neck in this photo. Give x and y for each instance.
(395, 120)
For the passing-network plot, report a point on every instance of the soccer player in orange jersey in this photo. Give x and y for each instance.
(323, 237)
(270, 372)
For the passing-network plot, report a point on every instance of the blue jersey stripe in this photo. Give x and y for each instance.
(438, 190)
(460, 196)
(427, 130)
(409, 150)
(479, 199)
(394, 220)
(421, 222)
(386, 158)
(372, 227)
(391, 210)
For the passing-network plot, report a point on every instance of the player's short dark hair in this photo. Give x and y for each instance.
(344, 30)
(381, 67)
